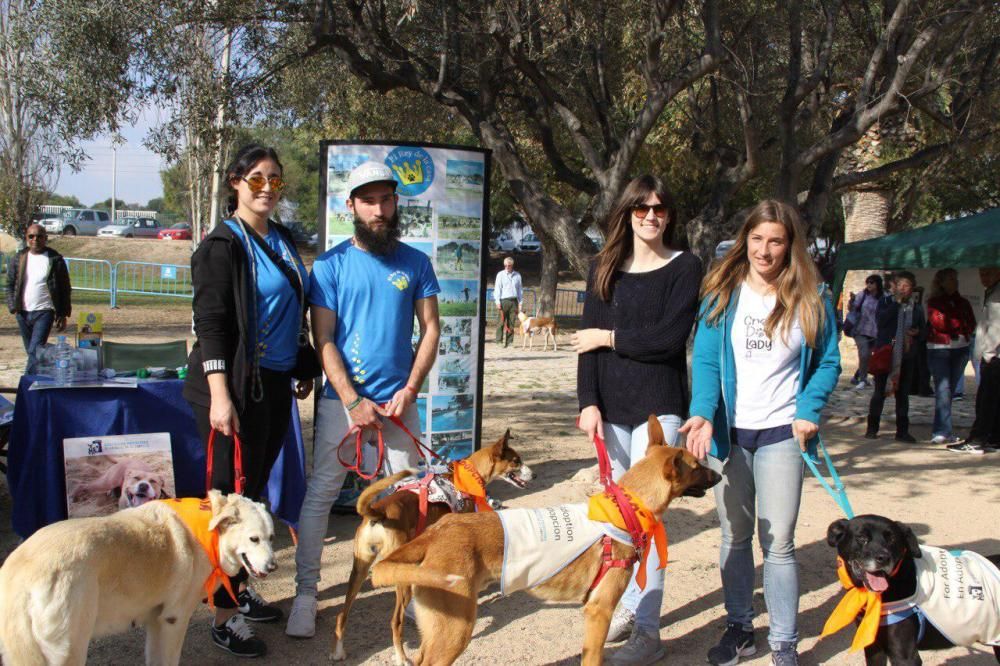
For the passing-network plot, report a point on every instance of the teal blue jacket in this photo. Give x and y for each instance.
(713, 374)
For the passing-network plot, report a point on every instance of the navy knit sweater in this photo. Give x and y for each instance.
(651, 314)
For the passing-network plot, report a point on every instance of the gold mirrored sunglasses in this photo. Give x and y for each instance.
(257, 182)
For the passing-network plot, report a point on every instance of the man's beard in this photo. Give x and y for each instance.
(380, 242)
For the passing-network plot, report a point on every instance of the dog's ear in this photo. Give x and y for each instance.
(910, 539)
(836, 532)
(163, 494)
(655, 433)
(229, 514)
(500, 445)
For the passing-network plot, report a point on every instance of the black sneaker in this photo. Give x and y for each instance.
(785, 655)
(905, 437)
(735, 643)
(871, 435)
(967, 446)
(236, 637)
(255, 609)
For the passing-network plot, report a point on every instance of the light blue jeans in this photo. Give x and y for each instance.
(627, 446)
(770, 481)
(947, 366)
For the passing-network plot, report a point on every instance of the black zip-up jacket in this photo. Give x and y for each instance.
(219, 273)
(57, 281)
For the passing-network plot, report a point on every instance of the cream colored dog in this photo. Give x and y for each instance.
(532, 325)
(88, 577)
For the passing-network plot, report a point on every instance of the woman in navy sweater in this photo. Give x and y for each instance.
(642, 297)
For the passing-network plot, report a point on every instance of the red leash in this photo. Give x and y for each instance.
(422, 449)
(640, 539)
(239, 479)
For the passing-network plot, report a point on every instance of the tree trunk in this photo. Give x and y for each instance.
(867, 214)
(550, 275)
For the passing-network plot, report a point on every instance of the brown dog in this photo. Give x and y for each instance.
(451, 563)
(392, 521)
(532, 325)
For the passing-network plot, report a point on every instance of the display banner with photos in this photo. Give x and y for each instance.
(443, 209)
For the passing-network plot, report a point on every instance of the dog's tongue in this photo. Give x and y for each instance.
(876, 583)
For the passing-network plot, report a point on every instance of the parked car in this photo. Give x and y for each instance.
(131, 227)
(530, 243)
(503, 243)
(77, 222)
(179, 231)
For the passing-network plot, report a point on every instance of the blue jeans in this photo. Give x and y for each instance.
(627, 446)
(946, 366)
(767, 483)
(35, 327)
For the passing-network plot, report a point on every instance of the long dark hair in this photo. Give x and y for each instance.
(244, 160)
(619, 245)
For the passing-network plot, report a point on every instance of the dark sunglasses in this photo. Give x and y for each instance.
(257, 182)
(30, 236)
(642, 210)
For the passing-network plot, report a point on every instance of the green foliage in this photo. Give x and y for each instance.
(63, 200)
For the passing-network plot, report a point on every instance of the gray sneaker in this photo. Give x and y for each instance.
(785, 655)
(621, 626)
(642, 648)
(735, 643)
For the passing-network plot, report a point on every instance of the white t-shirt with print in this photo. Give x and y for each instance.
(36, 291)
(767, 371)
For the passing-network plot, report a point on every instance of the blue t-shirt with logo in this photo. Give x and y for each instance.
(374, 298)
(277, 324)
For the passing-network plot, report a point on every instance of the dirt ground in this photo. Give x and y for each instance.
(950, 500)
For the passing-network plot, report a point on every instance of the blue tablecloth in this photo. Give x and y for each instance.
(42, 419)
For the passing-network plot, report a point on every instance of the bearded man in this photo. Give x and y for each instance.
(364, 295)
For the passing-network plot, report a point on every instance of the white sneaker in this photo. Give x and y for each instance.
(945, 439)
(861, 385)
(302, 617)
(621, 625)
(642, 648)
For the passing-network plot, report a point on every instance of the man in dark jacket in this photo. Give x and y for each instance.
(38, 292)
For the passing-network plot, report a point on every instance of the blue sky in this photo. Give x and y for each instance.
(138, 168)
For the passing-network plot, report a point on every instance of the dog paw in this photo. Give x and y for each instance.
(338, 654)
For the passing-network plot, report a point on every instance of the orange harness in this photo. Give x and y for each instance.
(605, 508)
(196, 514)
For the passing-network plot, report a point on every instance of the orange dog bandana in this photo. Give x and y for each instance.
(602, 508)
(856, 599)
(468, 481)
(196, 514)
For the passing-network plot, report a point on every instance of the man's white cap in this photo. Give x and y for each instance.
(368, 173)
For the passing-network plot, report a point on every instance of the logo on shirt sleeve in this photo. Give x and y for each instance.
(399, 280)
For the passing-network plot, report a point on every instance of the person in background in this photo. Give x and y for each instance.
(250, 289)
(764, 365)
(902, 324)
(985, 433)
(950, 325)
(38, 292)
(508, 295)
(866, 306)
(641, 301)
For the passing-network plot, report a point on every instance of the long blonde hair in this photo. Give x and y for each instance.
(797, 288)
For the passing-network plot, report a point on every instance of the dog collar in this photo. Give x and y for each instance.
(196, 514)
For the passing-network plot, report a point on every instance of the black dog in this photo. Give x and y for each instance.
(880, 555)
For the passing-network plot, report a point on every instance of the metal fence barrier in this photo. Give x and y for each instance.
(91, 275)
(135, 277)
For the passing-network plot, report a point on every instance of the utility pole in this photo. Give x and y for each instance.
(114, 180)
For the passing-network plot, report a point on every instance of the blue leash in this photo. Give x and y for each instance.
(836, 491)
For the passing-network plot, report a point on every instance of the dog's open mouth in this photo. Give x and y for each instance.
(515, 478)
(876, 581)
(694, 491)
(135, 499)
(250, 569)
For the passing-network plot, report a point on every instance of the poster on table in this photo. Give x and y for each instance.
(443, 209)
(106, 473)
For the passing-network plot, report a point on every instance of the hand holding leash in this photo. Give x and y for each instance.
(402, 399)
(698, 439)
(803, 431)
(365, 415)
(590, 422)
(222, 416)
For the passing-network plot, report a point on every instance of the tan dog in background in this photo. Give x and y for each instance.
(392, 521)
(84, 578)
(532, 325)
(456, 559)
(137, 482)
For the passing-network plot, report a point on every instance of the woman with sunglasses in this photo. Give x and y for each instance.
(641, 300)
(249, 318)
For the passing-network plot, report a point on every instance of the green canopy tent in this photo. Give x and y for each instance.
(968, 242)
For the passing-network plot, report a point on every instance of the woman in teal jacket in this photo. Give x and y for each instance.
(765, 362)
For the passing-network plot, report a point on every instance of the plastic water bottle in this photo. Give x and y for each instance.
(65, 365)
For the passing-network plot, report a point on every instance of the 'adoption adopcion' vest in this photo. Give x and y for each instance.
(539, 543)
(957, 592)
